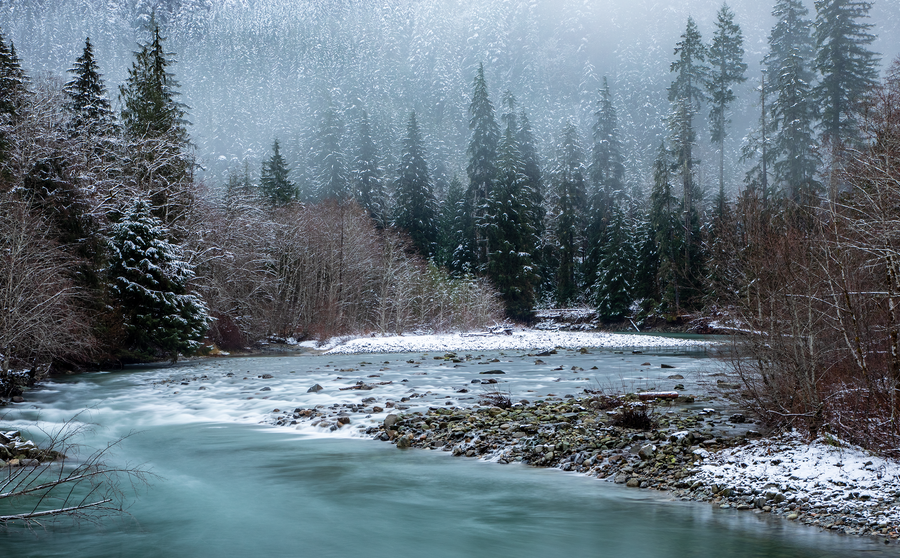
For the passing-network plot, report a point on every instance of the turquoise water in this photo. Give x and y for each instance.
(227, 486)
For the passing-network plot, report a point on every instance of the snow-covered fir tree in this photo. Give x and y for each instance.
(89, 103)
(607, 173)
(329, 160)
(148, 281)
(727, 69)
(509, 226)
(567, 214)
(615, 274)
(274, 184)
(482, 151)
(13, 92)
(416, 211)
(666, 234)
(792, 109)
(368, 186)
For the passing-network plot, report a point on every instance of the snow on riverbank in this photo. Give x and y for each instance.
(523, 340)
(826, 483)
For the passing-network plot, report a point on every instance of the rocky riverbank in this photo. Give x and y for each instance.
(662, 444)
(15, 451)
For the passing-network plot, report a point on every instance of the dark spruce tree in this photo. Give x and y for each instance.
(88, 101)
(416, 211)
(148, 281)
(567, 214)
(686, 93)
(156, 131)
(450, 235)
(792, 154)
(848, 70)
(613, 293)
(330, 164)
(607, 173)
(535, 189)
(727, 69)
(274, 184)
(13, 93)
(368, 187)
(509, 227)
(482, 152)
(665, 234)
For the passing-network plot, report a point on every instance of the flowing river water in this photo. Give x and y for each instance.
(229, 483)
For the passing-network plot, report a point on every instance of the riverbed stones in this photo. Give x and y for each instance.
(315, 389)
(390, 420)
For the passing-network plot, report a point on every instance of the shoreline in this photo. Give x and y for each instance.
(825, 483)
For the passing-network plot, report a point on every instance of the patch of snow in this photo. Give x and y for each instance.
(524, 340)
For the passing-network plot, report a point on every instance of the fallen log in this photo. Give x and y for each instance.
(647, 395)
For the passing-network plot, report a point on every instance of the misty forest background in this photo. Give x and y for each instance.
(181, 174)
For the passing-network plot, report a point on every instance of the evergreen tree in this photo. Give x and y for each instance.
(509, 226)
(482, 151)
(607, 172)
(13, 92)
(848, 69)
(665, 232)
(331, 167)
(155, 127)
(450, 235)
(274, 183)
(148, 280)
(726, 58)
(792, 111)
(686, 93)
(568, 207)
(367, 181)
(93, 114)
(13, 82)
(534, 187)
(416, 205)
(615, 274)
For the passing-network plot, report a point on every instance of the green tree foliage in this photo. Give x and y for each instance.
(665, 234)
(148, 280)
(607, 173)
(792, 112)
(13, 92)
(482, 151)
(331, 165)
(453, 212)
(613, 294)
(416, 205)
(89, 103)
(156, 130)
(274, 183)
(567, 214)
(686, 93)
(848, 69)
(509, 226)
(368, 186)
(727, 68)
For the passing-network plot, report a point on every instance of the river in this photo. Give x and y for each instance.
(228, 483)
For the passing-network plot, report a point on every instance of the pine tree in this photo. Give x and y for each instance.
(666, 235)
(848, 69)
(615, 274)
(726, 59)
(509, 226)
(686, 93)
(274, 183)
(367, 180)
(568, 214)
(13, 92)
(148, 280)
(449, 234)
(89, 103)
(607, 172)
(331, 167)
(792, 111)
(482, 151)
(416, 205)
(155, 127)
(543, 260)
(13, 82)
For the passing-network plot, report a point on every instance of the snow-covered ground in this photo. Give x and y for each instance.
(825, 477)
(525, 340)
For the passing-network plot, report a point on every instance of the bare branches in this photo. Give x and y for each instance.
(56, 481)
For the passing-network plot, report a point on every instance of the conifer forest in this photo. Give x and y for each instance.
(179, 176)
